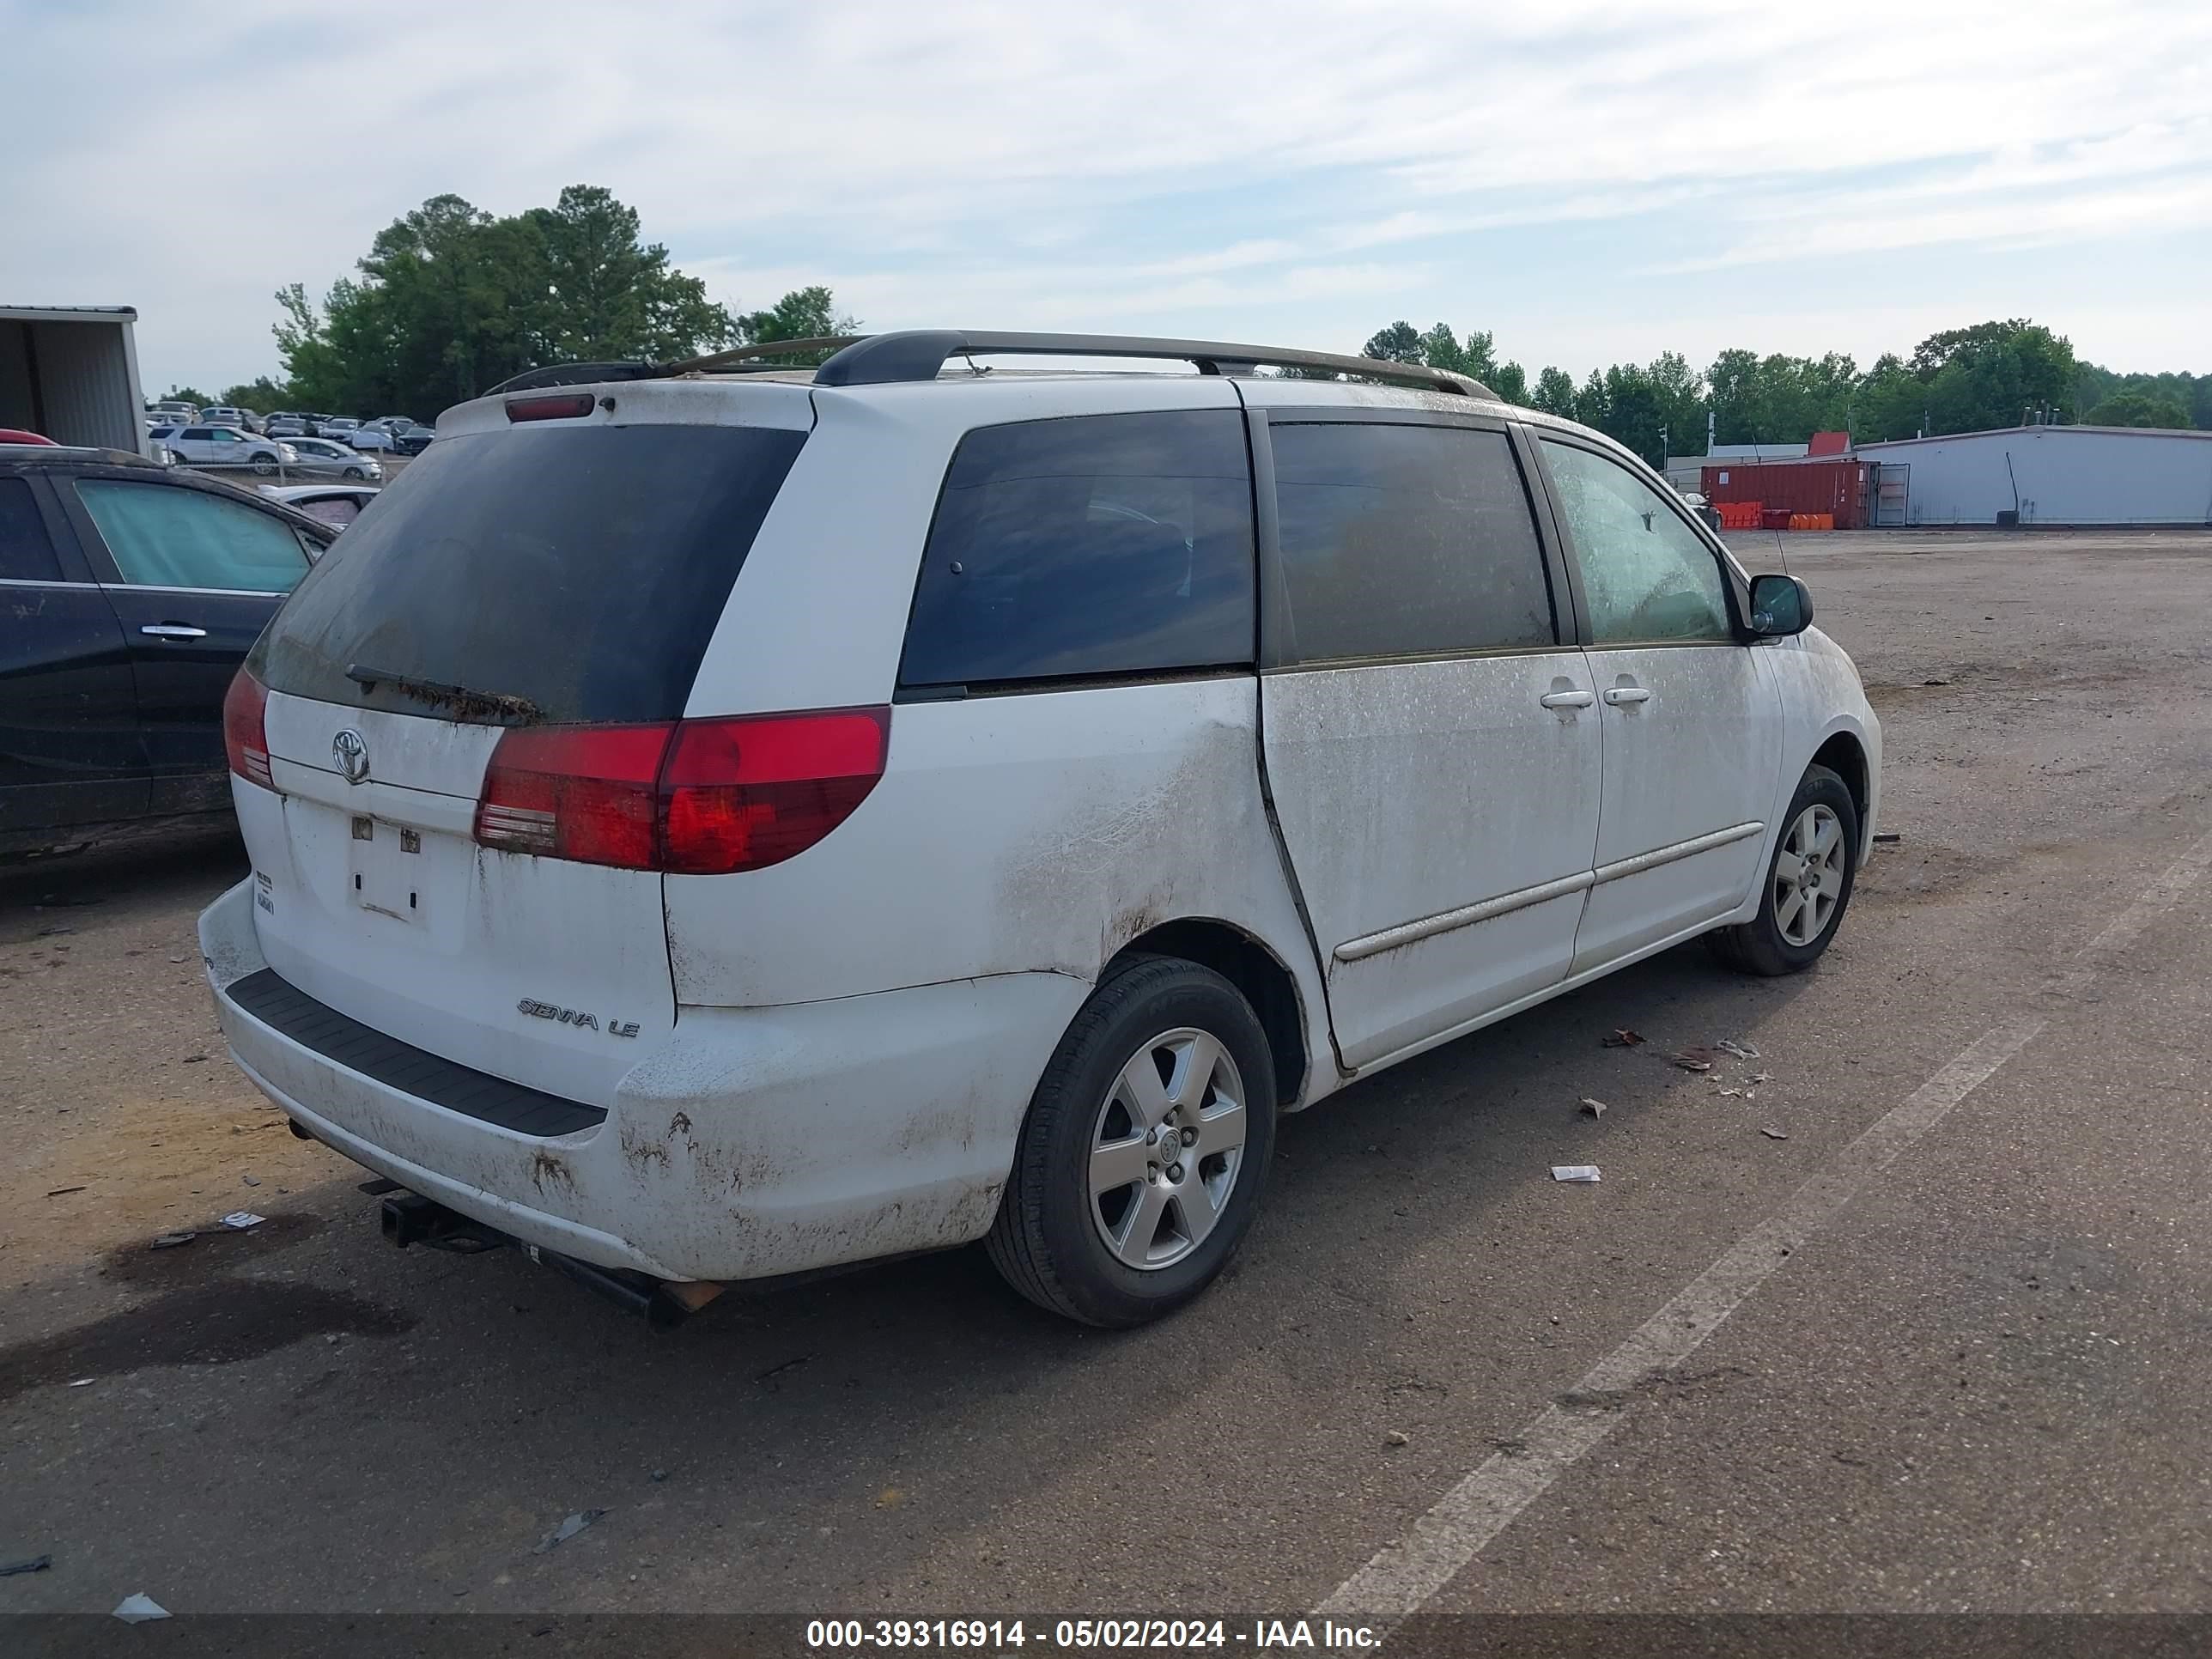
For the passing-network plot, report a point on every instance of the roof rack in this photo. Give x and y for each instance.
(920, 354)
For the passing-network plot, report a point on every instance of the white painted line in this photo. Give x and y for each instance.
(1404, 1575)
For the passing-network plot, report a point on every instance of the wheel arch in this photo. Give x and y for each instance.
(1842, 753)
(1259, 974)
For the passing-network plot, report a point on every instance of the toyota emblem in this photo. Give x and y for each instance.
(352, 752)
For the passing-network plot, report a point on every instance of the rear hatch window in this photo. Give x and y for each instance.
(562, 574)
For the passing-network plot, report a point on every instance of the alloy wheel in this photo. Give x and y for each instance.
(1808, 875)
(1166, 1149)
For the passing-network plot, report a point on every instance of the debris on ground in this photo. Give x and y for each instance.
(1775, 1135)
(34, 1564)
(139, 1608)
(170, 1241)
(180, 958)
(774, 1371)
(53, 928)
(62, 1191)
(1693, 1060)
(1733, 1094)
(1887, 836)
(1623, 1038)
(1574, 1172)
(194, 1059)
(1397, 1438)
(83, 1381)
(1741, 1050)
(567, 1529)
(251, 1181)
(657, 1476)
(239, 1221)
(1759, 1078)
(1595, 1107)
(890, 1498)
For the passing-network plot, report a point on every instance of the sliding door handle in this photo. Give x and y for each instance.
(1622, 696)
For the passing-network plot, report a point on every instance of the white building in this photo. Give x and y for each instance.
(72, 372)
(2068, 475)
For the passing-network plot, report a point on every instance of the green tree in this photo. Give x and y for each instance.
(2137, 409)
(1992, 375)
(1401, 343)
(261, 394)
(2193, 392)
(805, 314)
(450, 301)
(1555, 393)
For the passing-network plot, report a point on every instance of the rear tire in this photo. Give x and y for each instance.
(1807, 884)
(1164, 1078)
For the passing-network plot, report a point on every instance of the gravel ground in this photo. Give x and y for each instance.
(1975, 1387)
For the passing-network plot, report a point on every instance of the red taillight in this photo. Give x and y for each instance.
(244, 710)
(693, 796)
(562, 406)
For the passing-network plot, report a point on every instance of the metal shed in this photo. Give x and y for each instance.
(2053, 475)
(72, 372)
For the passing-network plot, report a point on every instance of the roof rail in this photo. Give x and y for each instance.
(735, 359)
(920, 354)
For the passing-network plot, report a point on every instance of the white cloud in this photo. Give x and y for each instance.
(1144, 164)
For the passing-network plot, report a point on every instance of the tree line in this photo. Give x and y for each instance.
(1962, 380)
(451, 300)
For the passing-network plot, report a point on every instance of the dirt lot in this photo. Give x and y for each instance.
(1975, 1384)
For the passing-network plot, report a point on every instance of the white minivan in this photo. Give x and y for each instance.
(708, 825)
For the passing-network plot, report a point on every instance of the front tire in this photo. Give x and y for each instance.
(265, 466)
(355, 472)
(1144, 1155)
(1808, 883)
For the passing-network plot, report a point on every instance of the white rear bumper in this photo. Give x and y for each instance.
(753, 1142)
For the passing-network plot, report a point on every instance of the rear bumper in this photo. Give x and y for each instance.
(754, 1142)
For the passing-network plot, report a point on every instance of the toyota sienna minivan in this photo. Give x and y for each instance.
(710, 824)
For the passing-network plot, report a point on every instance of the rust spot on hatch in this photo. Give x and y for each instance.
(546, 1166)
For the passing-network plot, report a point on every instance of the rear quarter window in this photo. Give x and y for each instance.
(1101, 546)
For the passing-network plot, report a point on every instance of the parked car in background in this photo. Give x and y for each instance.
(285, 424)
(416, 439)
(244, 419)
(138, 590)
(183, 413)
(327, 457)
(226, 445)
(372, 437)
(336, 505)
(341, 427)
(1194, 743)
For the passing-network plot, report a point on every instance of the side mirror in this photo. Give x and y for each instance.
(1780, 606)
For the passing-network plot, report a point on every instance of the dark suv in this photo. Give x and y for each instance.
(129, 594)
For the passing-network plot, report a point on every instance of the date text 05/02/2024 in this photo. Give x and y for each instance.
(1087, 1635)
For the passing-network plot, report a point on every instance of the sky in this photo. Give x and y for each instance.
(1592, 183)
